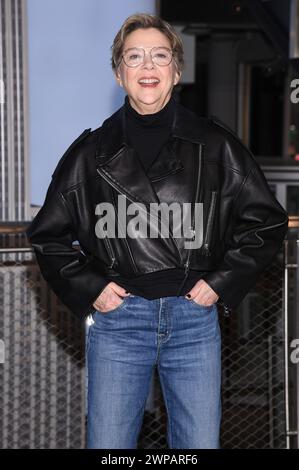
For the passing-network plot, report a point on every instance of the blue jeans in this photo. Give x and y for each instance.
(181, 338)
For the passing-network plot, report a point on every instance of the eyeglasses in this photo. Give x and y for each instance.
(135, 56)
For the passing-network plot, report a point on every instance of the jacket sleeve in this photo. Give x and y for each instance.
(74, 277)
(255, 233)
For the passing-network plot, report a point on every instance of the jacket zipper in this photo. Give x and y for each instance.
(199, 174)
(130, 199)
(110, 251)
(206, 244)
(127, 244)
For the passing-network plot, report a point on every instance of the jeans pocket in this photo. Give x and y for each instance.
(200, 305)
(111, 311)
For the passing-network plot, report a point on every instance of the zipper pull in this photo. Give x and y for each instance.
(192, 232)
(187, 266)
(185, 277)
(206, 250)
(227, 311)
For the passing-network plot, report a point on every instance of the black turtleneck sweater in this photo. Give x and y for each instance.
(147, 133)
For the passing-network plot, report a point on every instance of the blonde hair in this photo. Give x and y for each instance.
(145, 21)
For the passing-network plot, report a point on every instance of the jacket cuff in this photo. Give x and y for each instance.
(217, 283)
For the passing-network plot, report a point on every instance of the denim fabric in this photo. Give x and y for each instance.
(178, 336)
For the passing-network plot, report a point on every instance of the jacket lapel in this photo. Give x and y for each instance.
(121, 167)
(119, 164)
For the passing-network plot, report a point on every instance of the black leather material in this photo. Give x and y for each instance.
(203, 161)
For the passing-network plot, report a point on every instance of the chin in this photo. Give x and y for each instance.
(150, 97)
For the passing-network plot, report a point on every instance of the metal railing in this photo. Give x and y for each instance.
(43, 378)
(291, 332)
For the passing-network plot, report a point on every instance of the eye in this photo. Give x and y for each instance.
(133, 56)
(160, 55)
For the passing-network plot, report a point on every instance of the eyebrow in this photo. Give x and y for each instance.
(148, 47)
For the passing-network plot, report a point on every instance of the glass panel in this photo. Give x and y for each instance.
(266, 110)
(292, 200)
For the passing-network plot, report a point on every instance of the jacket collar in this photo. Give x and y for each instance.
(112, 149)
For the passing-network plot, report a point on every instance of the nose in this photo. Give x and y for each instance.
(148, 61)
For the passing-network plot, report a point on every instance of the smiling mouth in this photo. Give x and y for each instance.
(149, 82)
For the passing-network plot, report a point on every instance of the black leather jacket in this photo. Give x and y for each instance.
(244, 225)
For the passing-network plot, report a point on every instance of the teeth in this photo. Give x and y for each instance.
(148, 80)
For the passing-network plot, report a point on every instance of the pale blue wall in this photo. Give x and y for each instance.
(71, 85)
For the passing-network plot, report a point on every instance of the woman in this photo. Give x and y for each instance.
(153, 299)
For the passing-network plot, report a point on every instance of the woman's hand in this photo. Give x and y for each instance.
(110, 297)
(202, 294)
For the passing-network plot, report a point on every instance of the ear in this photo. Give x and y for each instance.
(118, 77)
(177, 77)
